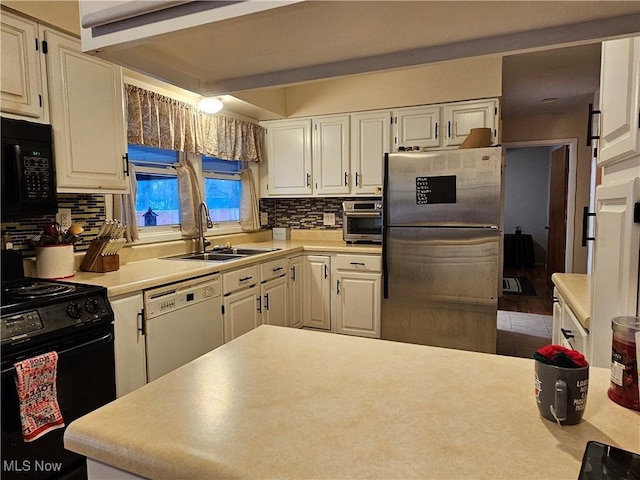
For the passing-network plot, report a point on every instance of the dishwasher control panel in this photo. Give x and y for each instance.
(161, 300)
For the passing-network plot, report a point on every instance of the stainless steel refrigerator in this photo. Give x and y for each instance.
(441, 247)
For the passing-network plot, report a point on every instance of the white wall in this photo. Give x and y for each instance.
(526, 200)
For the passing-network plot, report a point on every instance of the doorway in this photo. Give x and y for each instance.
(538, 208)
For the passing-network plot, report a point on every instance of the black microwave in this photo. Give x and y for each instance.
(28, 170)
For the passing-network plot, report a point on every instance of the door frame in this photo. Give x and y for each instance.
(572, 143)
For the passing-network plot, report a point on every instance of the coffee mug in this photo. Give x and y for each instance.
(561, 393)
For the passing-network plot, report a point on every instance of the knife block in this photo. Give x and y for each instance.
(94, 261)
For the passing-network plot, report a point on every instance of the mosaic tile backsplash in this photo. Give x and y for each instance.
(88, 210)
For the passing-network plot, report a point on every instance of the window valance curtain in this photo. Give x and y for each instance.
(158, 121)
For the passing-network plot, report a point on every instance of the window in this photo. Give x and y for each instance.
(222, 189)
(157, 201)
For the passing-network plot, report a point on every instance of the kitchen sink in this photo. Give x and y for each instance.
(222, 255)
(206, 257)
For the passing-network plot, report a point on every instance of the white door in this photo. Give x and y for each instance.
(331, 164)
(416, 127)
(289, 157)
(619, 100)
(295, 292)
(20, 76)
(317, 292)
(616, 257)
(461, 117)
(358, 304)
(275, 302)
(130, 351)
(370, 140)
(87, 116)
(241, 312)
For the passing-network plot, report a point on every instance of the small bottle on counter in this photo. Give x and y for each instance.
(7, 242)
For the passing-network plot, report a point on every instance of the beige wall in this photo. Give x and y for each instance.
(435, 83)
(58, 13)
(550, 127)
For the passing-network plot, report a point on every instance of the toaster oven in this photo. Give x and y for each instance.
(362, 221)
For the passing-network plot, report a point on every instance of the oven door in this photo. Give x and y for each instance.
(362, 226)
(85, 382)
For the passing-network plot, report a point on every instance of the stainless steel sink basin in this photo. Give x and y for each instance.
(253, 251)
(206, 257)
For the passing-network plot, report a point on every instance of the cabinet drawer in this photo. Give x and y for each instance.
(273, 269)
(368, 263)
(241, 278)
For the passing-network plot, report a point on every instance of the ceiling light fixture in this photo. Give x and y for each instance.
(210, 105)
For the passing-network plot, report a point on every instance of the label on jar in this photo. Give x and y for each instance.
(617, 373)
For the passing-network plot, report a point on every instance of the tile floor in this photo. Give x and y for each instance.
(521, 334)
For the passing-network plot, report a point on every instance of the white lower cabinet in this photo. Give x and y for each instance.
(130, 352)
(274, 292)
(240, 301)
(567, 329)
(317, 291)
(358, 281)
(296, 297)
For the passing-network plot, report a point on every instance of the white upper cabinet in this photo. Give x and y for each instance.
(288, 145)
(331, 165)
(21, 80)
(619, 100)
(460, 117)
(87, 116)
(416, 128)
(370, 140)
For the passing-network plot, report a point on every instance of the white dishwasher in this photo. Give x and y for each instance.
(183, 322)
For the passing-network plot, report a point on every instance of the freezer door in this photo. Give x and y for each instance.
(455, 265)
(456, 187)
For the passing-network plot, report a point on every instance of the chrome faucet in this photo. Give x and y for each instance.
(202, 241)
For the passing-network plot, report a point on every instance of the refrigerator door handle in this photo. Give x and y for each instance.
(385, 220)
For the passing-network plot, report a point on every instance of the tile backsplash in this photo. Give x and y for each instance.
(88, 210)
(304, 213)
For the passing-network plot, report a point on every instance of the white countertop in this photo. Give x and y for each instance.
(575, 288)
(286, 403)
(138, 275)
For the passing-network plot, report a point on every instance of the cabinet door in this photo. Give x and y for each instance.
(295, 292)
(21, 80)
(87, 115)
(130, 353)
(558, 304)
(358, 304)
(275, 302)
(289, 157)
(461, 117)
(370, 140)
(317, 292)
(331, 165)
(615, 268)
(241, 312)
(619, 100)
(416, 127)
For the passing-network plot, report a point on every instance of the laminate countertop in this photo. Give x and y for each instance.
(287, 403)
(138, 275)
(575, 288)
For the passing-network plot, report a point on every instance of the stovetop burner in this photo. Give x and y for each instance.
(30, 288)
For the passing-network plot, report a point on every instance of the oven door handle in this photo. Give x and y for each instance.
(363, 214)
(108, 337)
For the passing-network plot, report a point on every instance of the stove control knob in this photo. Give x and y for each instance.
(92, 306)
(74, 310)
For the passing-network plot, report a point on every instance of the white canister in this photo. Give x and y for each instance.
(55, 261)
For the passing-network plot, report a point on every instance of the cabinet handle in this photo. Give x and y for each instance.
(346, 181)
(325, 271)
(357, 182)
(293, 273)
(338, 287)
(266, 302)
(142, 328)
(259, 300)
(567, 333)
(590, 136)
(357, 263)
(125, 157)
(585, 226)
(277, 269)
(449, 128)
(245, 279)
(308, 179)
(436, 130)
